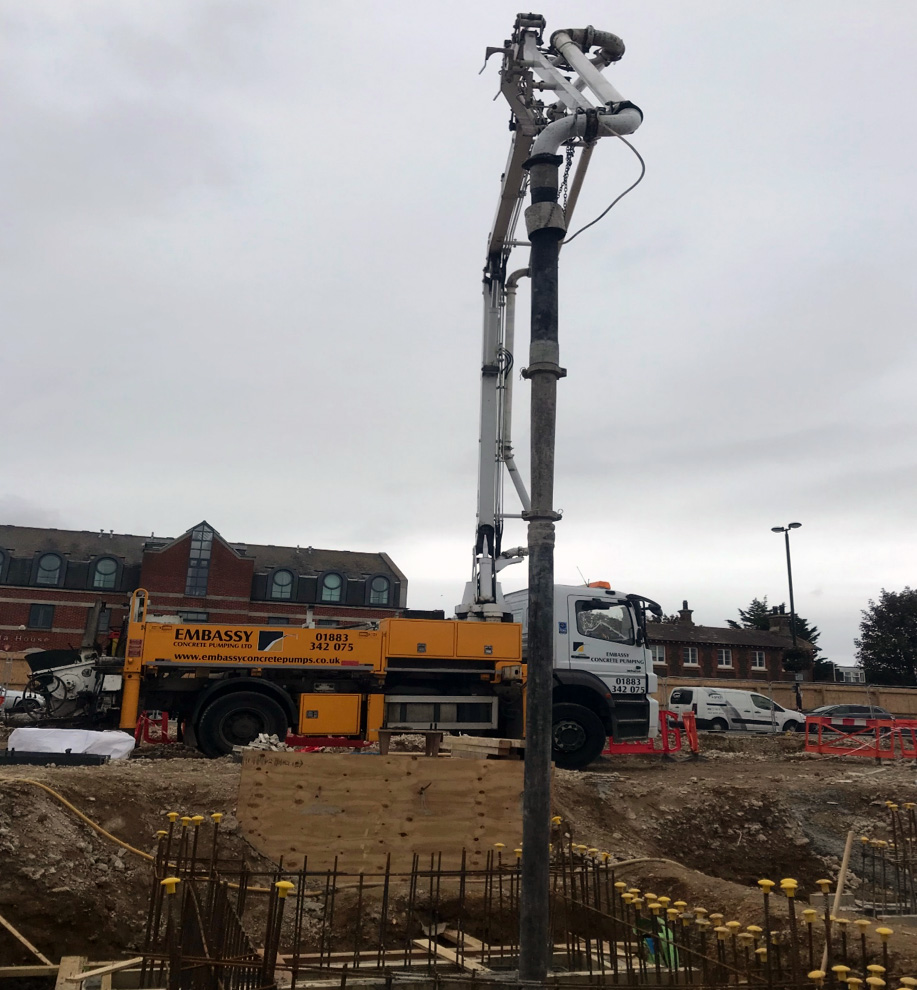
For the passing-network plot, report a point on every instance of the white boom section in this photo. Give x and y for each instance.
(565, 71)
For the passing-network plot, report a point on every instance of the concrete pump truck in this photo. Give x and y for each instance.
(226, 684)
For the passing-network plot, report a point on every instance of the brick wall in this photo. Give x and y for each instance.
(74, 612)
(708, 662)
(166, 572)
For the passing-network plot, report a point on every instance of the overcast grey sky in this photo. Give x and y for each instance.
(242, 246)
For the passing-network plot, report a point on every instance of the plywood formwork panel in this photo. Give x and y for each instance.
(361, 808)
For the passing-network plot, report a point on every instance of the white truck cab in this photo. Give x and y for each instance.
(603, 674)
(720, 709)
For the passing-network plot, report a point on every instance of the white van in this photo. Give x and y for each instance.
(720, 709)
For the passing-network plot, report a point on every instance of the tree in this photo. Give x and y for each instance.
(756, 616)
(887, 644)
(663, 618)
(824, 670)
(809, 633)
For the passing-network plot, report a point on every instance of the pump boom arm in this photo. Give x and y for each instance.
(529, 70)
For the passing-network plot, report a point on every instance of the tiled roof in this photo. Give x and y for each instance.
(25, 541)
(678, 632)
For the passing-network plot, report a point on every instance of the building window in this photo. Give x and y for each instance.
(689, 656)
(282, 585)
(2, 559)
(379, 590)
(49, 569)
(757, 660)
(105, 573)
(658, 655)
(193, 617)
(332, 587)
(326, 623)
(724, 658)
(278, 620)
(41, 616)
(199, 562)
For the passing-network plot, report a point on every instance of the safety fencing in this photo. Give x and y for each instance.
(875, 738)
(677, 734)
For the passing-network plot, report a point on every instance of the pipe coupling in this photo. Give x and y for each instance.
(542, 516)
(544, 216)
(544, 367)
(610, 45)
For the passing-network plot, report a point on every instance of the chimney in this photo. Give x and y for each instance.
(779, 623)
(684, 615)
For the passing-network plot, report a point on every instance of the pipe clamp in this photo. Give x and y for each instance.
(541, 216)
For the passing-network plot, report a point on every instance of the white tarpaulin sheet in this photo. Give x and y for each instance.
(117, 745)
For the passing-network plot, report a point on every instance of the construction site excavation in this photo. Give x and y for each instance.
(288, 868)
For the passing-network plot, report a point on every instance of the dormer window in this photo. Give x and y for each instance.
(50, 566)
(332, 588)
(380, 589)
(282, 585)
(105, 573)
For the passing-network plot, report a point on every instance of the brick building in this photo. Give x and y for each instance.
(70, 588)
(683, 649)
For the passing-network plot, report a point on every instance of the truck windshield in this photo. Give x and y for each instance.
(612, 624)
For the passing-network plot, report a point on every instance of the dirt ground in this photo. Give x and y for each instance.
(710, 829)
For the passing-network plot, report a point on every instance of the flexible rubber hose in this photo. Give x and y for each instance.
(103, 832)
(79, 814)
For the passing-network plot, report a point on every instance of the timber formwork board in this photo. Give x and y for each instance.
(361, 808)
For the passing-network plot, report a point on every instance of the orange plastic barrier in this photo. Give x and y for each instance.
(671, 738)
(874, 738)
(907, 737)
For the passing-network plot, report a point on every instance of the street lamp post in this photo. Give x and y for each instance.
(789, 572)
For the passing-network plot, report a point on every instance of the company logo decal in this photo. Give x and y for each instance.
(269, 639)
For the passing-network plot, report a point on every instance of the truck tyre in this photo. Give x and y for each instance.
(719, 725)
(577, 736)
(235, 719)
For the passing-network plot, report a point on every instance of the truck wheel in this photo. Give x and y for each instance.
(719, 725)
(577, 736)
(236, 718)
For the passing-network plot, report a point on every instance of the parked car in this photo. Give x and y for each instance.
(17, 702)
(719, 709)
(859, 712)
